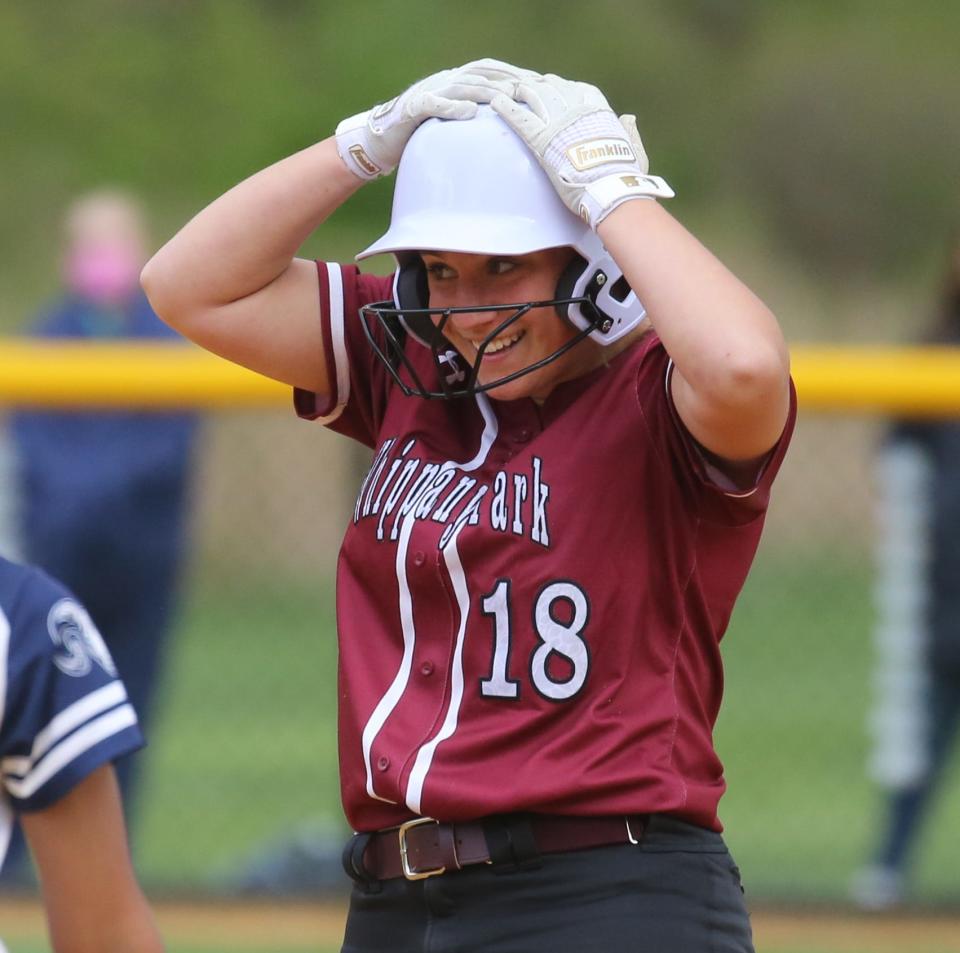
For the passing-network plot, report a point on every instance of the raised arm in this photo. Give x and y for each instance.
(229, 279)
(731, 372)
(731, 379)
(91, 895)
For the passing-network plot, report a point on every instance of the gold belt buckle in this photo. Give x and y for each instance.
(408, 871)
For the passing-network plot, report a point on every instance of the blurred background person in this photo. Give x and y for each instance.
(917, 634)
(103, 494)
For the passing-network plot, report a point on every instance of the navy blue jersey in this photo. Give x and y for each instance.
(63, 710)
(103, 477)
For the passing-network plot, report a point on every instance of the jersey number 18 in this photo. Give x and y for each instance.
(556, 637)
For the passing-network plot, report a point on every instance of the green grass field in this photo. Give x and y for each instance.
(245, 745)
(800, 811)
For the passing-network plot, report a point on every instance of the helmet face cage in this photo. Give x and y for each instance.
(456, 376)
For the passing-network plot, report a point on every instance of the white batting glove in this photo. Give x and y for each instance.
(595, 160)
(498, 70)
(372, 142)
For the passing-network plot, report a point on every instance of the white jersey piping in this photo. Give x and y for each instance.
(451, 557)
(394, 693)
(338, 339)
(112, 723)
(4, 662)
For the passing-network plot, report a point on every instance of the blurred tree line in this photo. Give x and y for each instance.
(822, 132)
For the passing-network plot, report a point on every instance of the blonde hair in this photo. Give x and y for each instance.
(106, 213)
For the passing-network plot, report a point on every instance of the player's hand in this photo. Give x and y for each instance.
(595, 160)
(501, 71)
(372, 142)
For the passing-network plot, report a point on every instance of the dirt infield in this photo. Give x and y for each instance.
(241, 924)
(250, 925)
(855, 933)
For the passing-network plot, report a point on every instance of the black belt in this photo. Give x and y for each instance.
(425, 848)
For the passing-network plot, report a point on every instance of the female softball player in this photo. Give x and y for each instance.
(576, 414)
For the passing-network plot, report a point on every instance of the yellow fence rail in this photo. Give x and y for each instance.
(841, 379)
(153, 375)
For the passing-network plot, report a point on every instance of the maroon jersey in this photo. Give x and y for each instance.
(530, 598)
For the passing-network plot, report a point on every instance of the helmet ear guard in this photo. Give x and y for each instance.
(611, 309)
(410, 288)
(574, 283)
(412, 293)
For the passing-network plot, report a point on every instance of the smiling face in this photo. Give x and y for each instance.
(462, 280)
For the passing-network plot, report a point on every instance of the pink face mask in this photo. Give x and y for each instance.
(106, 274)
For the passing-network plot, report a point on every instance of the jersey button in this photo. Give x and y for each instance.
(426, 668)
(383, 762)
(523, 435)
(419, 558)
